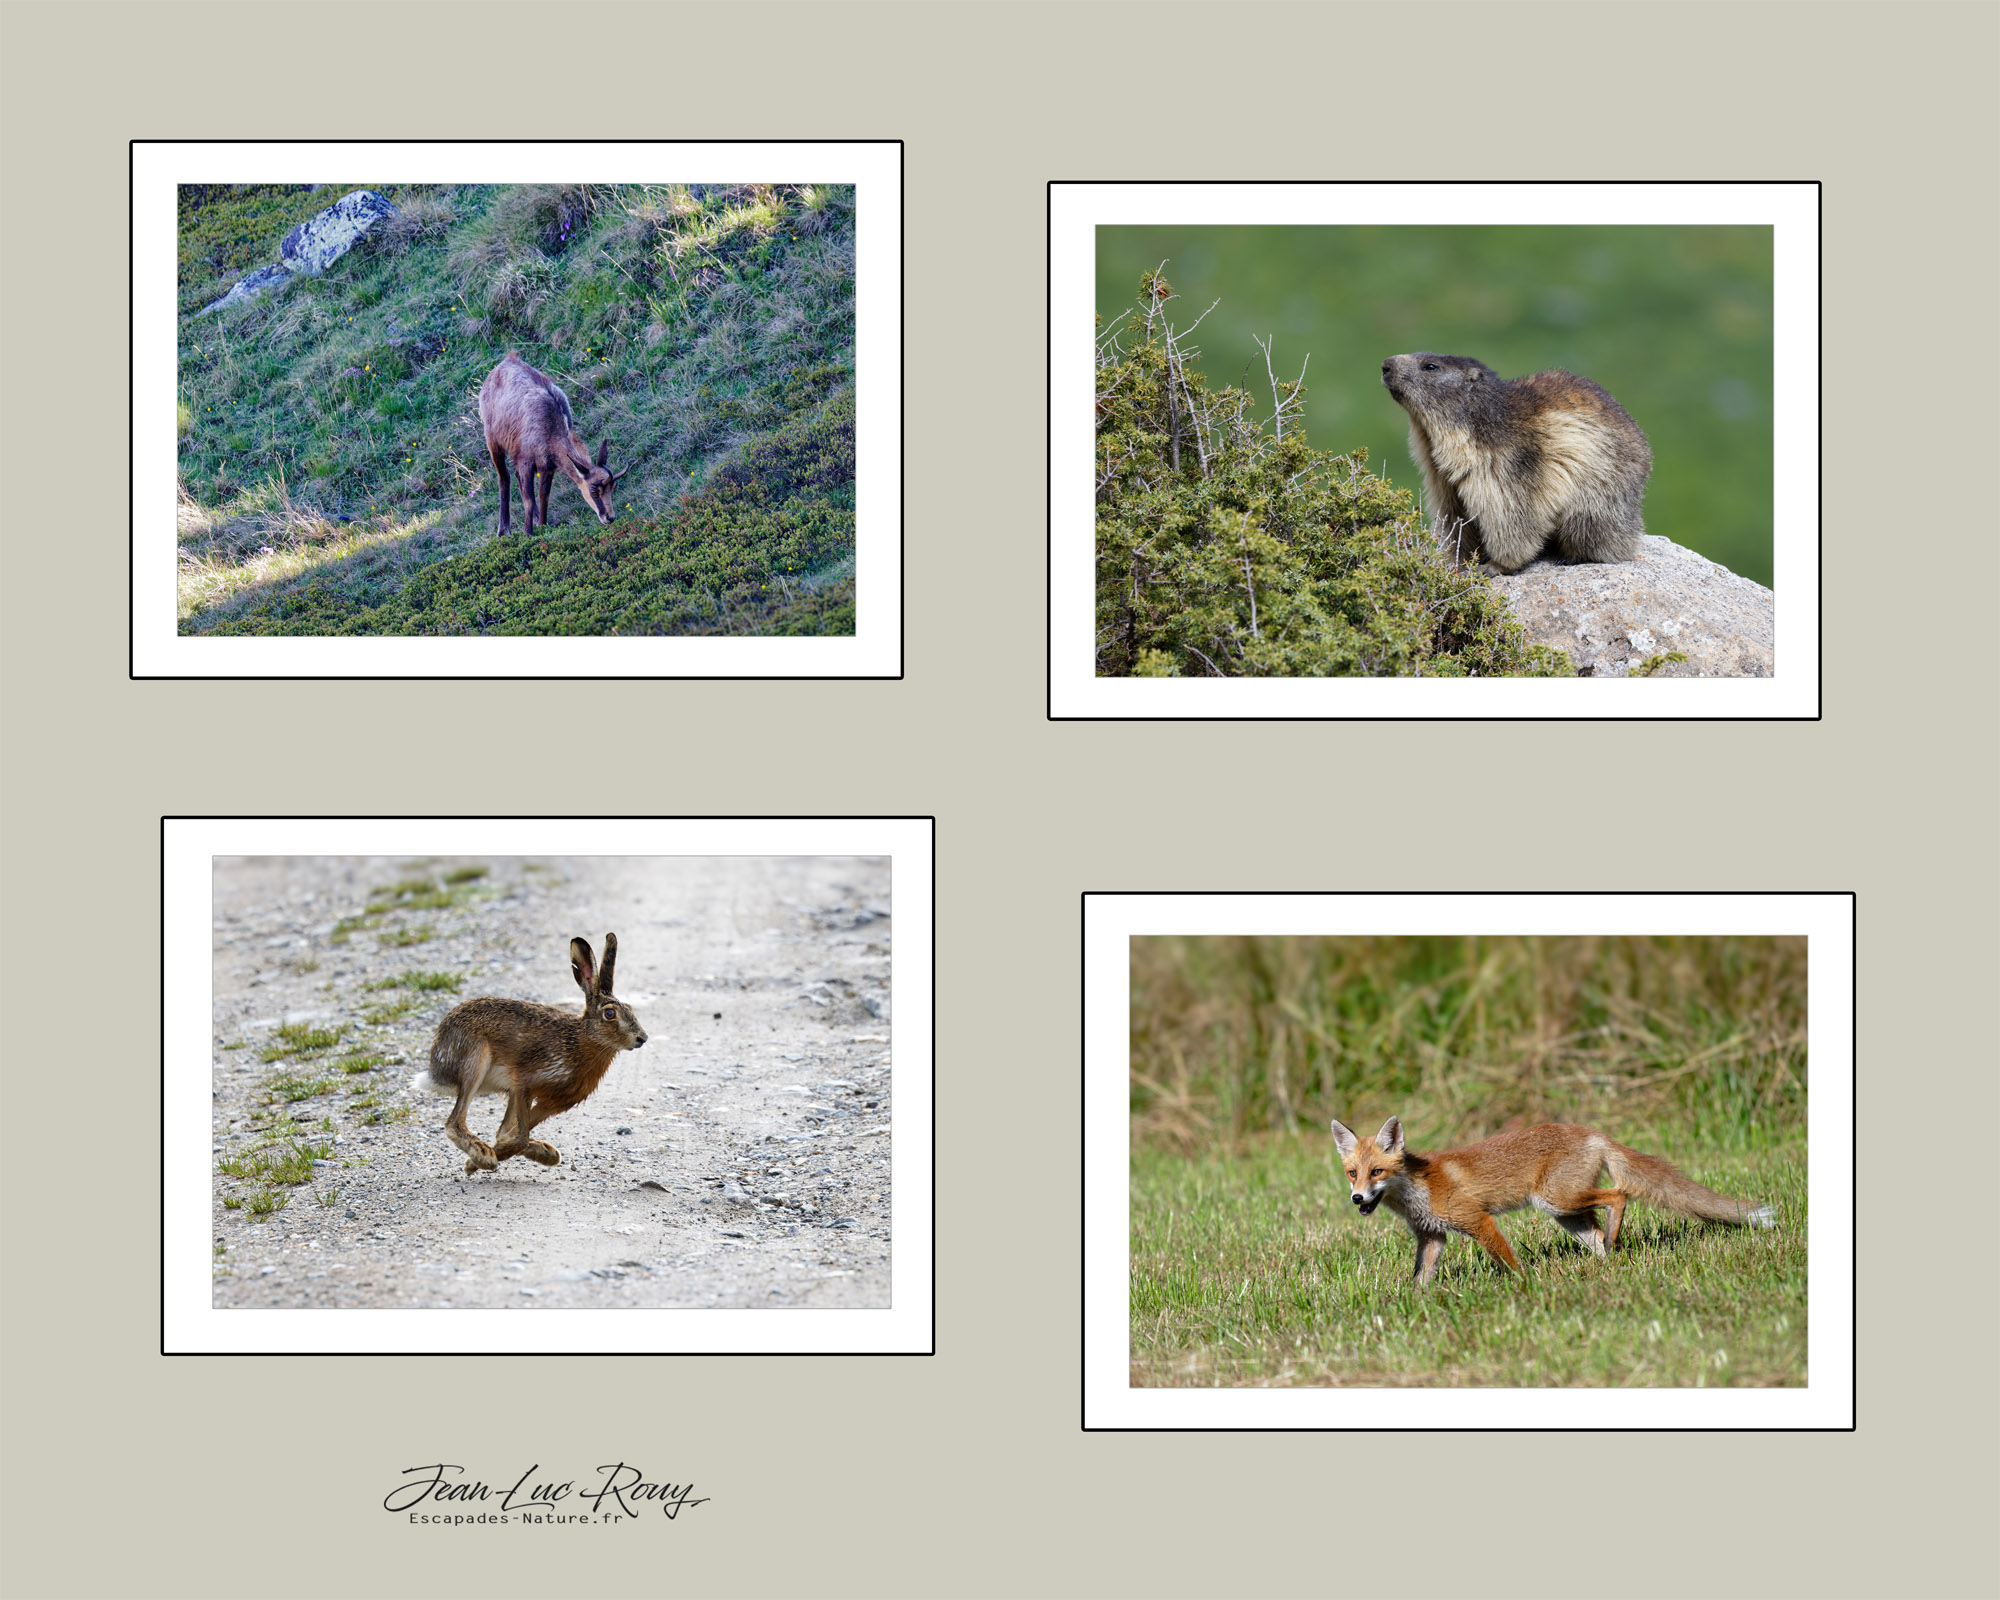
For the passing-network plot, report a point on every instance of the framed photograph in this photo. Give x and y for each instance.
(664, 1085)
(545, 409)
(1434, 450)
(1468, 1161)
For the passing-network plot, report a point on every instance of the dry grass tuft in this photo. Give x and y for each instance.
(1471, 1035)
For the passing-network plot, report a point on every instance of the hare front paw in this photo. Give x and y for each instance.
(480, 1159)
(537, 1150)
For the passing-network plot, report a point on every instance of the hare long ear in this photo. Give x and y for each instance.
(610, 963)
(583, 965)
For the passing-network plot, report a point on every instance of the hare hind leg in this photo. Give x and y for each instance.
(479, 1155)
(513, 1138)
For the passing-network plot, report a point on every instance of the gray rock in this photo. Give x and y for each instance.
(258, 281)
(1612, 617)
(314, 245)
(319, 241)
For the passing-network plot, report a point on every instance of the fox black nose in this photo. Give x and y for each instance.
(1356, 1199)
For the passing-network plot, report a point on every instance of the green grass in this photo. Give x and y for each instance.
(281, 1160)
(1463, 1036)
(1254, 1270)
(300, 1039)
(347, 927)
(1248, 1263)
(458, 888)
(405, 889)
(450, 982)
(330, 450)
(293, 1086)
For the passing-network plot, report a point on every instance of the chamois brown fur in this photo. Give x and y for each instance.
(528, 421)
(543, 1060)
(1511, 466)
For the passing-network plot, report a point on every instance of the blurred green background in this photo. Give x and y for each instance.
(1675, 322)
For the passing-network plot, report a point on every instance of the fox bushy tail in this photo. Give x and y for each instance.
(1666, 1185)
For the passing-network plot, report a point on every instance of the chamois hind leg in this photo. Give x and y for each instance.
(479, 1155)
(506, 486)
(527, 477)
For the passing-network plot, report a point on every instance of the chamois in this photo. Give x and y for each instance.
(527, 418)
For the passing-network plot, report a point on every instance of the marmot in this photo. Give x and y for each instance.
(1509, 465)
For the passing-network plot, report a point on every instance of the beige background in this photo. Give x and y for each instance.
(966, 1473)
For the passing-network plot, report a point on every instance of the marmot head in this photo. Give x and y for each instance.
(1446, 385)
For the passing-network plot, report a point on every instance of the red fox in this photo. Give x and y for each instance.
(1552, 1167)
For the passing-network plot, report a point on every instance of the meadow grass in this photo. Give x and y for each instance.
(1248, 1264)
(1253, 1269)
(330, 451)
(1465, 1036)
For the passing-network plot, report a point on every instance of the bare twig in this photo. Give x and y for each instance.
(1249, 586)
(1110, 329)
(1154, 302)
(1280, 404)
(1200, 319)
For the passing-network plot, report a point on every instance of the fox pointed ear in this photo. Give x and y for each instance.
(1391, 1136)
(582, 965)
(604, 452)
(1343, 1138)
(610, 963)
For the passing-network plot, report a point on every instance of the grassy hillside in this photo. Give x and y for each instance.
(333, 475)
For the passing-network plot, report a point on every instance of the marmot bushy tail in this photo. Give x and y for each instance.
(1511, 466)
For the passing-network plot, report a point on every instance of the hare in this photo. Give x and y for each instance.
(543, 1060)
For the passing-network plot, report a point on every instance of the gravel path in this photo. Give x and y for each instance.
(742, 1158)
